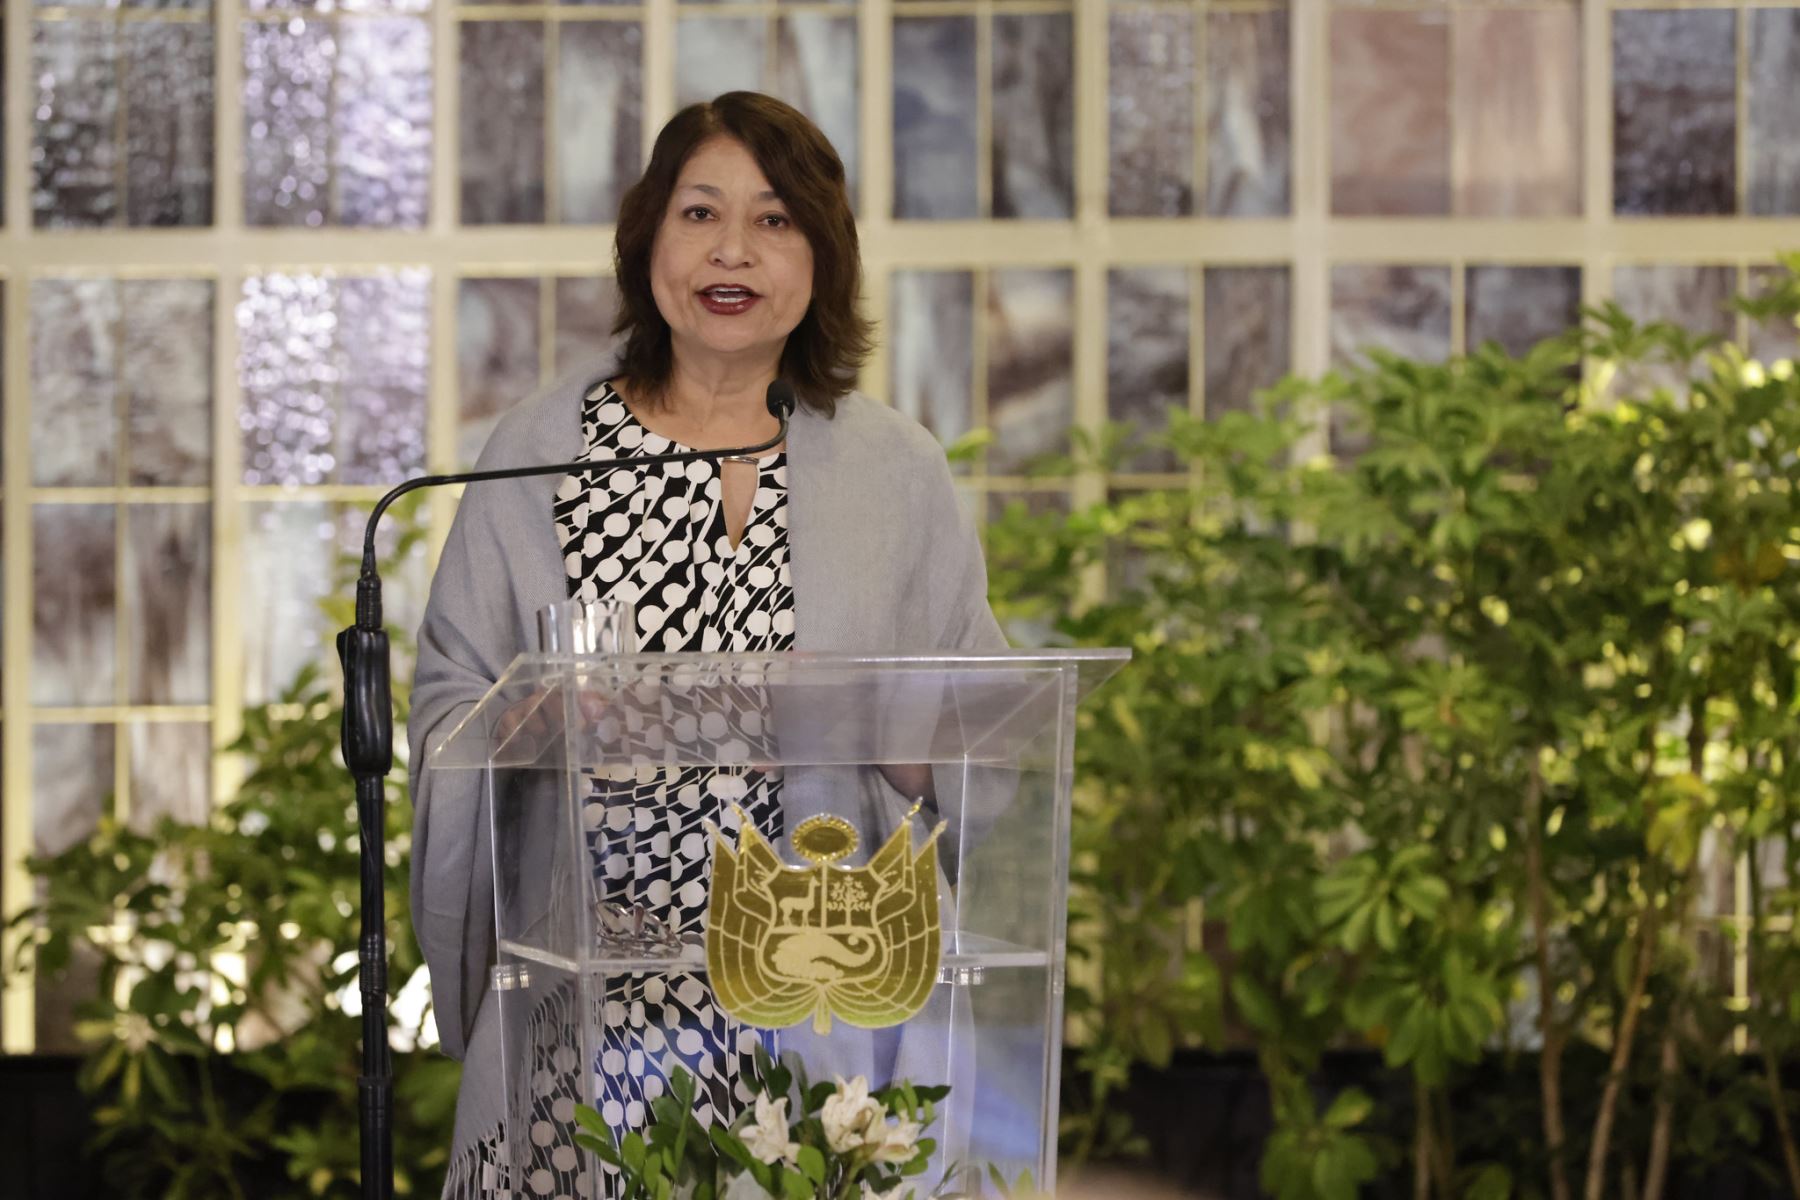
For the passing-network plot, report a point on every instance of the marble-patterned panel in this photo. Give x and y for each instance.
(287, 371)
(496, 355)
(1249, 329)
(501, 140)
(1249, 120)
(382, 157)
(585, 308)
(168, 603)
(1698, 298)
(1674, 112)
(288, 67)
(718, 54)
(1777, 338)
(169, 123)
(71, 783)
(1772, 138)
(1390, 118)
(171, 772)
(168, 380)
(1401, 309)
(284, 568)
(599, 118)
(74, 382)
(1150, 113)
(384, 347)
(1033, 165)
(1147, 354)
(1518, 307)
(1517, 148)
(935, 150)
(74, 655)
(816, 63)
(75, 151)
(931, 350)
(1030, 365)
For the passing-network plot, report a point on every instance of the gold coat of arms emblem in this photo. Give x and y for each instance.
(860, 944)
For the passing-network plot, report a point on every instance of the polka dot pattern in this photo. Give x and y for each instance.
(657, 536)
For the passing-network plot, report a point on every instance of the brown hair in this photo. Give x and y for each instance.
(824, 351)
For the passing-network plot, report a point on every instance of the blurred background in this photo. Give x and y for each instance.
(262, 260)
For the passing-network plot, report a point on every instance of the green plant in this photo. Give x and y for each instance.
(1457, 741)
(221, 1059)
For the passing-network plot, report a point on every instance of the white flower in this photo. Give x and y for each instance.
(767, 1140)
(850, 1114)
(896, 1143)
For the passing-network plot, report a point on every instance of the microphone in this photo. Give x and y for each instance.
(780, 401)
(368, 744)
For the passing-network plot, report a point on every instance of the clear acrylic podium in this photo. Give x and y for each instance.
(849, 736)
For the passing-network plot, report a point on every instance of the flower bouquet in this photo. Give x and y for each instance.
(844, 1142)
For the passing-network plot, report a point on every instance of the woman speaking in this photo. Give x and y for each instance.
(737, 265)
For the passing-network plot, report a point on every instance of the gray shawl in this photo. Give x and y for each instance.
(882, 558)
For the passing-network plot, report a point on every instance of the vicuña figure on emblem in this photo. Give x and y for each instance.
(857, 943)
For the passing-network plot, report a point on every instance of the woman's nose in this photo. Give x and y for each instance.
(731, 248)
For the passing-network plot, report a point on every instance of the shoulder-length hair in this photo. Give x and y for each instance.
(824, 351)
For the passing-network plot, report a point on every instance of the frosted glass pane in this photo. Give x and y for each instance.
(1151, 113)
(287, 121)
(74, 382)
(1147, 354)
(383, 324)
(71, 783)
(599, 118)
(1249, 164)
(168, 380)
(383, 95)
(1518, 307)
(1249, 318)
(171, 772)
(1034, 115)
(1031, 393)
(931, 350)
(1390, 115)
(1518, 113)
(169, 123)
(501, 139)
(1772, 140)
(585, 311)
(718, 54)
(284, 569)
(288, 373)
(1674, 112)
(168, 601)
(497, 340)
(74, 654)
(935, 152)
(75, 152)
(816, 63)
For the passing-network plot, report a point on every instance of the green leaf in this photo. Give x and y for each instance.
(795, 1186)
(1492, 1182)
(811, 1164)
(1351, 1108)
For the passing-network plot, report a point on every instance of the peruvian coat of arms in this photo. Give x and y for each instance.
(857, 943)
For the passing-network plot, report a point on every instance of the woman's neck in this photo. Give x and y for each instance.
(710, 405)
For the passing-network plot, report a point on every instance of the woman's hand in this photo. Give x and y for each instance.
(539, 717)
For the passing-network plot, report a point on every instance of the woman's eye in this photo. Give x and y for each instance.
(698, 212)
(775, 221)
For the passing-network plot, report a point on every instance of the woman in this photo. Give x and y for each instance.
(737, 263)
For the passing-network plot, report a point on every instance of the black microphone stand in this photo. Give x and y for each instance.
(368, 744)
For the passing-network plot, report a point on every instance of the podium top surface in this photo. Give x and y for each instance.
(560, 710)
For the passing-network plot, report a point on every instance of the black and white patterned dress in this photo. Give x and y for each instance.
(657, 537)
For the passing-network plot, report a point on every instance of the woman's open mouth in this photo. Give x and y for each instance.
(727, 300)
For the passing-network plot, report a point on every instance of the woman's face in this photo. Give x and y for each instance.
(731, 273)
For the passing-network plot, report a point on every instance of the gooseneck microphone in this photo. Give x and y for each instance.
(368, 744)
